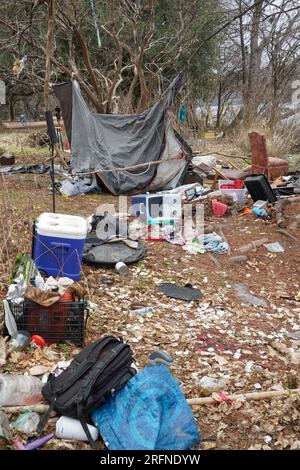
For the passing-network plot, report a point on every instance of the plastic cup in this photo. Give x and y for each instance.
(122, 268)
(70, 428)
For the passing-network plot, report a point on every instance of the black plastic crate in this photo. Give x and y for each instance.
(63, 321)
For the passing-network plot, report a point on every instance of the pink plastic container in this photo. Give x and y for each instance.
(219, 209)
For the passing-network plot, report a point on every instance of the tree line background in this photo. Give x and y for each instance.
(124, 53)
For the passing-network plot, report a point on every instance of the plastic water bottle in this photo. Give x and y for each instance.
(19, 342)
(141, 311)
(27, 422)
(19, 390)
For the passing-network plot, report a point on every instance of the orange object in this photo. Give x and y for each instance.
(68, 296)
(246, 211)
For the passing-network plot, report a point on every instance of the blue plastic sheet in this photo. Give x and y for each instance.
(182, 113)
(149, 413)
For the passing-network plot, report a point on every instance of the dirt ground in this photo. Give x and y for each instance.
(219, 336)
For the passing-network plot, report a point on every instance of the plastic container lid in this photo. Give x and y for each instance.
(61, 226)
(37, 341)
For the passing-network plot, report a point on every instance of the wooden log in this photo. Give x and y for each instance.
(245, 397)
(38, 408)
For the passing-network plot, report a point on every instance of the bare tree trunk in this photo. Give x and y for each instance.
(219, 106)
(243, 52)
(144, 97)
(252, 92)
(11, 107)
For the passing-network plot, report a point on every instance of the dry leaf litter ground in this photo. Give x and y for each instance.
(243, 347)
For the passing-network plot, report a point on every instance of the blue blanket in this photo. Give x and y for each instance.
(149, 413)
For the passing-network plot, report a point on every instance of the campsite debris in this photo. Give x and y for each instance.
(187, 292)
(261, 213)
(7, 158)
(59, 229)
(275, 247)
(160, 419)
(27, 422)
(141, 311)
(131, 143)
(122, 268)
(39, 408)
(252, 245)
(159, 357)
(208, 385)
(19, 342)
(260, 205)
(218, 209)
(19, 390)
(33, 444)
(79, 185)
(70, 428)
(215, 244)
(38, 370)
(37, 341)
(246, 397)
(112, 356)
(246, 297)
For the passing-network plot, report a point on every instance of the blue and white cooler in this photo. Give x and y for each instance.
(58, 244)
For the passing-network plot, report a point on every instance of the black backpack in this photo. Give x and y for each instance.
(94, 375)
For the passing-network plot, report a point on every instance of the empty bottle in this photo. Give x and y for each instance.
(19, 342)
(27, 422)
(141, 311)
(19, 390)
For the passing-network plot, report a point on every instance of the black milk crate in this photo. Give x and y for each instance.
(63, 321)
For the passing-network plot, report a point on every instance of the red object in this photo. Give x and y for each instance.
(262, 163)
(219, 209)
(38, 341)
(224, 397)
(68, 296)
(237, 184)
(67, 146)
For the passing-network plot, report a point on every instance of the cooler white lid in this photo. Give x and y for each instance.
(61, 225)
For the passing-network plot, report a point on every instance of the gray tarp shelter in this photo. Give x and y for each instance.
(105, 141)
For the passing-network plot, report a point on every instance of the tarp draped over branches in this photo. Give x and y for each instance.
(105, 141)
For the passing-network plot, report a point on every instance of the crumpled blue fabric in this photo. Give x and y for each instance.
(149, 413)
(215, 244)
